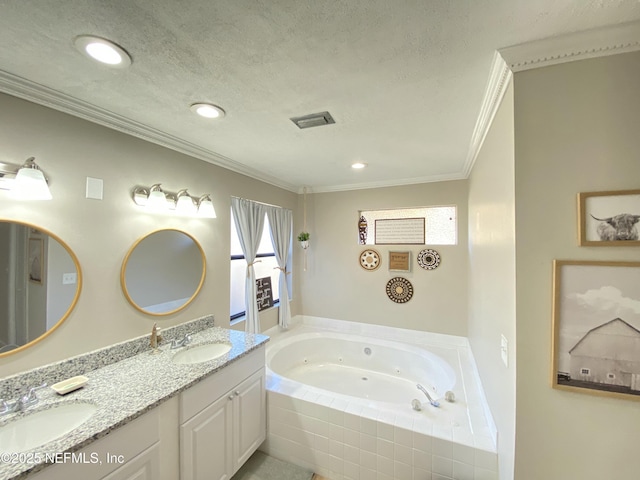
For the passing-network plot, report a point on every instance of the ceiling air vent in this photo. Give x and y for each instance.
(313, 120)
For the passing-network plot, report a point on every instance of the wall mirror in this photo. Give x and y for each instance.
(163, 272)
(40, 282)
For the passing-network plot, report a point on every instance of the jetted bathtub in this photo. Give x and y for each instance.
(339, 398)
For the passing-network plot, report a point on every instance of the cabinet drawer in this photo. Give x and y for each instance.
(196, 398)
(108, 453)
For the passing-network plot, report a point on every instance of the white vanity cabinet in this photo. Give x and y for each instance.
(223, 420)
(131, 452)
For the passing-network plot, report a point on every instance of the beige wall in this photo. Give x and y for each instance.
(101, 232)
(335, 286)
(492, 274)
(576, 130)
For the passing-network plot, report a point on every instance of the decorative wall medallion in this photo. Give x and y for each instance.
(428, 259)
(369, 259)
(399, 290)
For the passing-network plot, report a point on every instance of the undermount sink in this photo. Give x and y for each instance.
(39, 427)
(201, 353)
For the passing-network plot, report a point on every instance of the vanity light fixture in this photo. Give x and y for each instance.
(185, 204)
(25, 182)
(155, 199)
(358, 165)
(207, 110)
(103, 51)
(205, 207)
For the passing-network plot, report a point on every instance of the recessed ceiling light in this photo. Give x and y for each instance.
(358, 165)
(103, 51)
(207, 110)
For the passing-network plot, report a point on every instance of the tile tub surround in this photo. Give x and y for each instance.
(125, 388)
(343, 437)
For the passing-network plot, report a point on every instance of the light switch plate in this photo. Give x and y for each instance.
(504, 350)
(94, 188)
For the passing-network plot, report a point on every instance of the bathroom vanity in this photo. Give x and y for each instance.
(157, 415)
(223, 421)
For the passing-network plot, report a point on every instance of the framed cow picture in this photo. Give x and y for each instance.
(609, 218)
(596, 327)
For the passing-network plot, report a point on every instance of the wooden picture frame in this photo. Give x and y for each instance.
(609, 218)
(264, 293)
(596, 328)
(36, 259)
(399, 261)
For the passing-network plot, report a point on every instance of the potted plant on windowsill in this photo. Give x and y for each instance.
(303, 238)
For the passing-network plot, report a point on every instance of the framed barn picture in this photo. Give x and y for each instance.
(596, 327)
(609, 218)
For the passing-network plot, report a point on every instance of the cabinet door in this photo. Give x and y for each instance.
(142, 467)
(205, 443)
(249, 417)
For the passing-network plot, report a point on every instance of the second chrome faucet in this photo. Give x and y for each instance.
(181, 343)
(21, 403)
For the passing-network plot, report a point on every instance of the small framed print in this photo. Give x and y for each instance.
(36, 252)
(609, 218)
(400, 261)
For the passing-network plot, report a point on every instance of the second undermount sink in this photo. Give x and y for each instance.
(201, 353)
(39, 427)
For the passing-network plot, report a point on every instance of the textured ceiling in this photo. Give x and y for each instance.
(404, 80)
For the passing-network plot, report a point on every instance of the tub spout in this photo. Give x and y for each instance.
(433, 402)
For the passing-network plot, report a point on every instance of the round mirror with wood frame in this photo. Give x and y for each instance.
(40, 283)
(163, 272)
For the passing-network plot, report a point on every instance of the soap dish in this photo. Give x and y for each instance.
(70, 384)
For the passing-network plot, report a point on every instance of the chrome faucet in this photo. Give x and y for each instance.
(21, 403)
(433, 402)
(181, 343)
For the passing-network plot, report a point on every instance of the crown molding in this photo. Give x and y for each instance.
(582, 45)
(384, 183)
(598, 42)
(499, 80)
(593, 43)
(36, 93)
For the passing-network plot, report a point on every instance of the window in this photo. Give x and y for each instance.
(266, 267)
(585, 371)
(437, 225)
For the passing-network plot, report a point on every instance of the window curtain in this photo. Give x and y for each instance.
(281, 223)
(249, 219)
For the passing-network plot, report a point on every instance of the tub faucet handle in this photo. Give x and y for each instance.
(433, 402)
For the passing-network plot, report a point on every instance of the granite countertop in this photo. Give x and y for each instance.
(126, 389)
